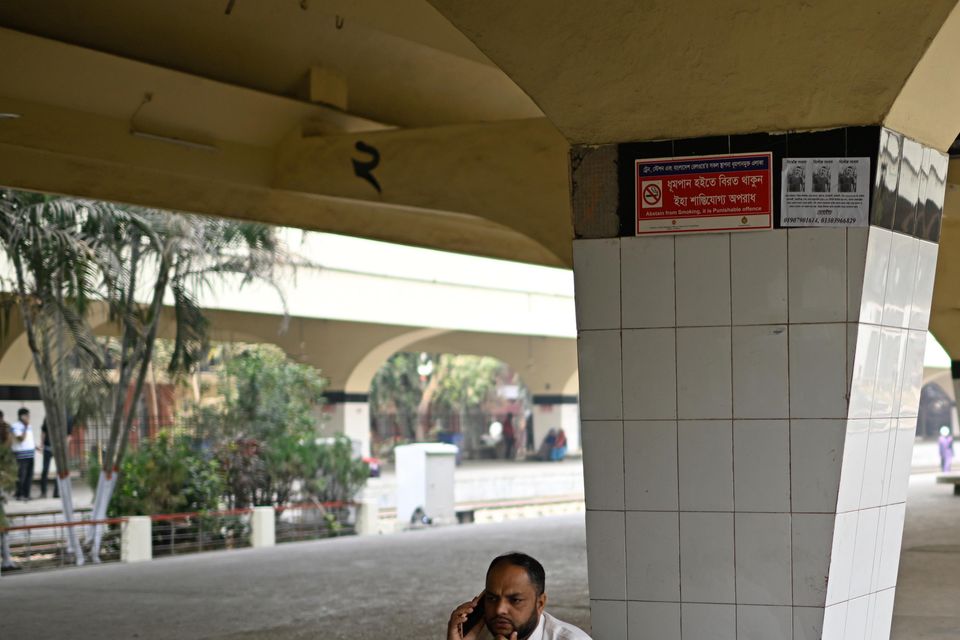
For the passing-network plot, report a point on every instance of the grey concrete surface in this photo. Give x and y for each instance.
(402, 585)
(927, 605)
(396, 586)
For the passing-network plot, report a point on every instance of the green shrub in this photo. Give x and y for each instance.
(166, 475)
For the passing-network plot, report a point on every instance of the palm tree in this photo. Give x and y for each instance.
(161, 253)
(67, 253)
(56, 275)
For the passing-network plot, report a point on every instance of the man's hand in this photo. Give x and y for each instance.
(459, 616)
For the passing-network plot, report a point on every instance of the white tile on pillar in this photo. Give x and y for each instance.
(600, 375)
(649, 374)
(901, 279)
(760, 388)
(863, 553)
(647, 296)
(890, 545)
(874, 473)
(877, 550)
(864, 374)
(834, 622)
(703, 280)
(923, 285)
(603, 461)
(705, 465)
(758, 266)
(761, 465)
(854, 459)
(902, 460)
(708, 621)
(608, 619)
(893, 344)
(855, 627)
(707, 558)
(818, 371)
(763, 571)
(816, 453)
(653, 620)
(875, 275)
(909, 401)
(883, 614)
(818, 275)
(650, 463)
(856, 262)
(596, 278)
(812, 543)
(653, 556)
(841, 557)
(764, 623)
(606, 555)
(703, 373)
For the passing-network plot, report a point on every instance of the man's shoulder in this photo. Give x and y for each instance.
(555, 629)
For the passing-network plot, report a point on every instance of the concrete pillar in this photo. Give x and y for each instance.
(556, 412)
(760, 390)
(368, 518)
(955, 411)
(262, 527)
(349, 414)
(136, 540)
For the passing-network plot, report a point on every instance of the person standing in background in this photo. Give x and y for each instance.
(946, 449)
(23, 448)
(509, 437)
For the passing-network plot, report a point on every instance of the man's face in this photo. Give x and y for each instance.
(511, 602)
(25, 418)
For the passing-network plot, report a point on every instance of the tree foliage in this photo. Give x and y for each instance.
(167, 475)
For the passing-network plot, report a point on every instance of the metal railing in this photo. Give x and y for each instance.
(180, 533)
(314, 520)
(39, 546)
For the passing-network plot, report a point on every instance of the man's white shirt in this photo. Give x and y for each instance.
(26, 447)
(549, 628)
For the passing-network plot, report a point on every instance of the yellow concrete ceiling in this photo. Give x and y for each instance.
(403, 63)
(619, 70)
(259, 155)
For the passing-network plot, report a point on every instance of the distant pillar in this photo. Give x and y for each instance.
(368, 518)
(262, 527)
(556, 411)
(348, 414)
(136, 544)
(955, 375)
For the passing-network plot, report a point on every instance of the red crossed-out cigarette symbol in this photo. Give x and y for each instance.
(651, 194)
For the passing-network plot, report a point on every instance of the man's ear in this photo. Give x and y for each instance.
(541, 602)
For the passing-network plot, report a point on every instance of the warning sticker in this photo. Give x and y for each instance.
(731, 192)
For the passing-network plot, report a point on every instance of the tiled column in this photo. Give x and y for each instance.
(761, 391)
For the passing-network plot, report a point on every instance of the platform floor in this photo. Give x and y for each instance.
(400, 585)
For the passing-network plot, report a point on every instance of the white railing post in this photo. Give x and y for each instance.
(368, 518)
(136, 544)
(263, 529)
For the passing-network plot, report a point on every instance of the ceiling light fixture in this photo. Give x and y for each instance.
(9, 116)
(190, 144)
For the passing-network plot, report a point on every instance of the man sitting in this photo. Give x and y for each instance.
(511, 606)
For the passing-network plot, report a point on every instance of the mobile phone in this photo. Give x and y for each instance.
(475, 617)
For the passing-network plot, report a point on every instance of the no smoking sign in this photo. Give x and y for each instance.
(651, 194)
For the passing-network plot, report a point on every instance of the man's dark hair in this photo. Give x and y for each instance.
(23, 412)
(538, 577)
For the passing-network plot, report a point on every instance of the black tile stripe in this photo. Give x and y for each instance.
(555, 399)
(19, 393)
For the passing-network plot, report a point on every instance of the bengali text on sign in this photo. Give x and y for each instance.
(704, 193)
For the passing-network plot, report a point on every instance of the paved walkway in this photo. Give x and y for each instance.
(396, 586)
(401, 585)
